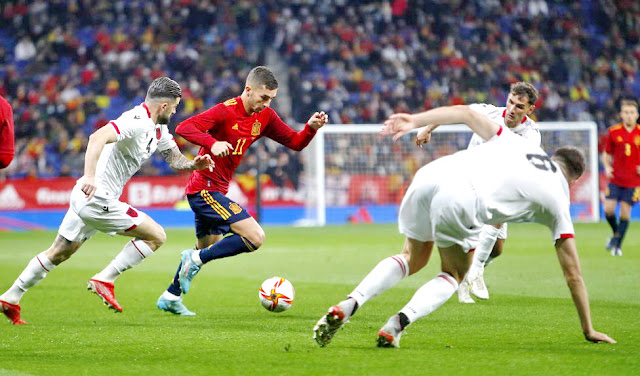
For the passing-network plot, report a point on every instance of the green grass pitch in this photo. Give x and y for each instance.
(528, 327)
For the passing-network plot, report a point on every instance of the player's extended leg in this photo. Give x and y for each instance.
(37, 269)
(217, 214)
(247, 236)
(171, 299)
(415, 255)
(488, 239)
(623, 225)
(477, 285)
(148, 236)
(429, 297)
(609, 207)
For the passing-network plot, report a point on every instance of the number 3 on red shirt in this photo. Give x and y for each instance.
(239, 146)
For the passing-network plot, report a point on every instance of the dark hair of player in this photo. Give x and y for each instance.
(262, 75)
(520, 89)
(572, 159)
(164, 87)
(628, 102)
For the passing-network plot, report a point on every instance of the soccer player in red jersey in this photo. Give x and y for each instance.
(225, 132)
(623, 147)
(6, 133)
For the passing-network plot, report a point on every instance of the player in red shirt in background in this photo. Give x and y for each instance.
(225, 132)
(6, 133)
(623, 146)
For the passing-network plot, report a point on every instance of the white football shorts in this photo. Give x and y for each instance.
(439, 208)
(84, 218)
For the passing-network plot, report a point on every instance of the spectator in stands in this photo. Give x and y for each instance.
(71, 69)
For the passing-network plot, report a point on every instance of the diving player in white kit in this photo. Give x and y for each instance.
(448, 202)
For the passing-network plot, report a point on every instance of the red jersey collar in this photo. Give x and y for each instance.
(504, 113)
(149, 112)
(629, 130)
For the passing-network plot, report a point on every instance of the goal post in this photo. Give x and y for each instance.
(355, 175)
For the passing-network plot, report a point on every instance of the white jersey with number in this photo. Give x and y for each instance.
(451, 198)
(527, 129)
(528, 187)
(138, 138)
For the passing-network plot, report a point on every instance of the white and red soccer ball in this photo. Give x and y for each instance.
(276, 294)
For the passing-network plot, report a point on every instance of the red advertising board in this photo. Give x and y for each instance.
(141, 192)
(166, 191)
(161, 191)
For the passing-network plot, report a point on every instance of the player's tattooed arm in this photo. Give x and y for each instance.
(178, 161)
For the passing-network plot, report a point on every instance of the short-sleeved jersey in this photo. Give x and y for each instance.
(624, 148)
(527, 128)
(229, 121)
(528, 188)
(6, 128)
(138, 137)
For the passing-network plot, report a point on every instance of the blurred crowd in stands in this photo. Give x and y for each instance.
(69, 66)
(361, 62)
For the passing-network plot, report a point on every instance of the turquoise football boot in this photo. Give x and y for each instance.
(188, 270)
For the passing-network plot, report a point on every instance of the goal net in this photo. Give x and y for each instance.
(355, 175)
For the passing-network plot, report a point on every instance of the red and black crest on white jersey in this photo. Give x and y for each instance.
(158, 133)
(131, 212)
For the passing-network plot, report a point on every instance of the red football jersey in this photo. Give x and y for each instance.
(624, 147)
(228, 121)
(7, 148)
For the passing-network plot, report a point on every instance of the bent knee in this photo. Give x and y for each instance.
(416, 263)
(257, 238)
(416, 254)
(61, 250)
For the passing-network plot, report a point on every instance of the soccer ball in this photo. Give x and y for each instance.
(276, 294)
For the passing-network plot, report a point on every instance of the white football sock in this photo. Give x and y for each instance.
(169, 296)
(385, 275)
(488, 238)
(430, 296)
(131, 255)
(489, 260)
(195, 256)
(37, 269)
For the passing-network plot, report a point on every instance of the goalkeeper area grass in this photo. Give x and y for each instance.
(528, 327)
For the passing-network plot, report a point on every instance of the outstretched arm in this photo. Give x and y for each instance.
(178, 161)
(570, 263)
(97, 141)
(401, 124)
(283, 134)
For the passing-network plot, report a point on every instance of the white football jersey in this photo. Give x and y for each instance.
(528, 187)
(527, 129)
(138, 138)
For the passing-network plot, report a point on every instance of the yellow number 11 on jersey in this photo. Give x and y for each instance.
(239, 146)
